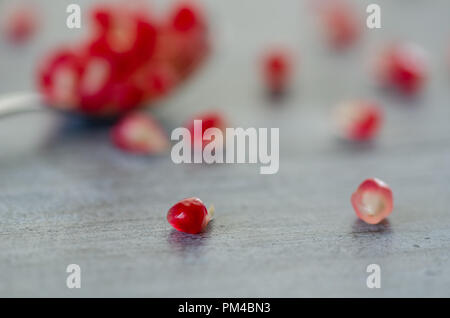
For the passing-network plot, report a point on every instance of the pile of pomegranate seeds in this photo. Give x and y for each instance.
(19, 23)
(210, 119)
(190, 216)
(341, 24)
(277, 71)
(402, 66)
(139, 133)
(130, 58)
(358, 120)
(372, 201)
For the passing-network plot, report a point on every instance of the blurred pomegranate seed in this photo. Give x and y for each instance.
(402, 66)
(20, 23)
(125, 37)
(340, 23)
(209, 119)
(103, 95)
(190, 216)
(185, 18)
(59, 77)
(125, 96)
(140, 134)
(93, 84)
(186, 37)
(358, 120)
(277, 69)
(372, 201)
(157, 80)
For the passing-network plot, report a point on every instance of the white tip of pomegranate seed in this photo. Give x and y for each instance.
(96, 75)
(380, 182)
(371, 203)
(211, 211)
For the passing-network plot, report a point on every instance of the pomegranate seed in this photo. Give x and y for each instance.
(277, 69)
(140, 134)
(59, 78)
(209, 120)
(21, 22)
(95, 78)
(402, 66)
(103, 95)
(125, 96)
(372, 201)
(186, 37)
(190, 216)
(341, 24)
(185, 18)
(157, 80)
(125, 37)
(358, 120)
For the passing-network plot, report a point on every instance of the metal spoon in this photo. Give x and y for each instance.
(21, 102)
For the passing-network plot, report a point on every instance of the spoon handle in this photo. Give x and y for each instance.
(17, 103)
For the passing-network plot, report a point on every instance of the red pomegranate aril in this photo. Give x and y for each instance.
(277, 69)
(125, 37)
(59, 78)
(116, 98)
(139, 133)
(186, 37)
(341, 24)
(94, 86)
(126, 96)
(190, 216)
(373, 201)
(402, 66)
(358, 120)
(157, 79)
(20, 23)
(210, 119)
(185, 18)
(96, 74)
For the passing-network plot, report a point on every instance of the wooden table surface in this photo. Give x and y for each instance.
(68, 196)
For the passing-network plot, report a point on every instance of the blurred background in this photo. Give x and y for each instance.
(67, 195)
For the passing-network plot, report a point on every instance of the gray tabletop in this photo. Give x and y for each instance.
(68, 196)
